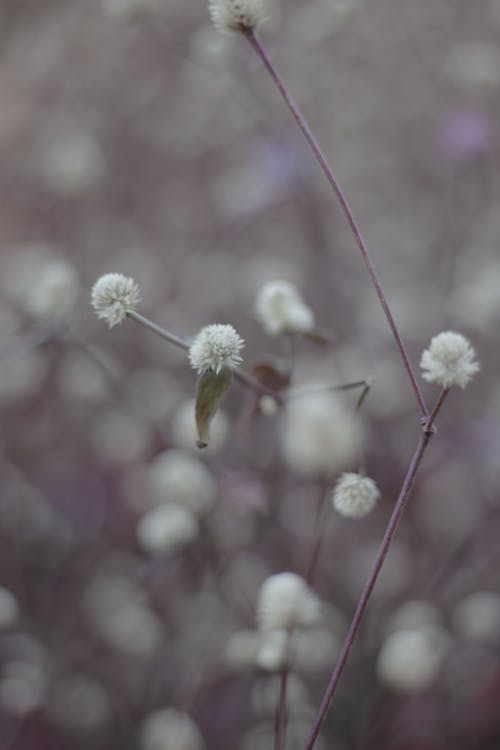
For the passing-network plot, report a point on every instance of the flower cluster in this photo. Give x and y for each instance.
(449, 360)
(318, 434)
(113, 296)
(215, 347)
(286, 602)
(355, 495)
(280, 309)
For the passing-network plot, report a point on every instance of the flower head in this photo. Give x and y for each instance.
(355, 495)
(172, 729)
(449, 360)
(280, 309)
(55, 291)
(410, 659)
(176, 476)
(113, 296)
(215, 346)
(166, 528)
(235, 15)
(285, 601)
(318, 434)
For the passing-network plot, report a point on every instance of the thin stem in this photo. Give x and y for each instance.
(161, 332)
(392, 525)
(280, 719)
(327, 170)
(317, 536)
(364, 384)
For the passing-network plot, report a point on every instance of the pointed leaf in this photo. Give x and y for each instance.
(211, 388)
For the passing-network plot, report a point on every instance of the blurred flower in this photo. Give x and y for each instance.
(215, 347)
(116, 609)
(285, 601)
(9, 608)
(176, 476)
(449, 360)
(22, 686)
(54, 292)
(113, 296)
(477, 617)
(79, 703)
(409, 660)
(236, 15)
(354, 495)
(72, 162)
(168, 729)
(166, 528)
(268, 406)
(280, 309)
(318, 435)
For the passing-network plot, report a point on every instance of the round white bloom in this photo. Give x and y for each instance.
(168, 729)
(285, 601)
(166, 528)
(477, 617)
(113, 296)
(214, 347)
(280, 309)
(354, 495)
(410, 660)
(319, 435)
(236, 15)
(177, 477)
(449, 360)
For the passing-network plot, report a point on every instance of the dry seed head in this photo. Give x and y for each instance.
(449, 360)
(215, 346)
(285, 602)
(280, 309)
(113, 296)
(354, 495)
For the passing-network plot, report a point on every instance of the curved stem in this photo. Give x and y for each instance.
(427, 432)
(328, 172)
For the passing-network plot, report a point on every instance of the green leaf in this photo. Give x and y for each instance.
(212, 387)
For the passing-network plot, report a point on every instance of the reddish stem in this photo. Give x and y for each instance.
(328, 172)
(427, 432)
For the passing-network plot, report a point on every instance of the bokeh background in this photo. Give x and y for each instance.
(134, 138)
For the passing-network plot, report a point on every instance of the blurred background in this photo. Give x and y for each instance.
(134, 138)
